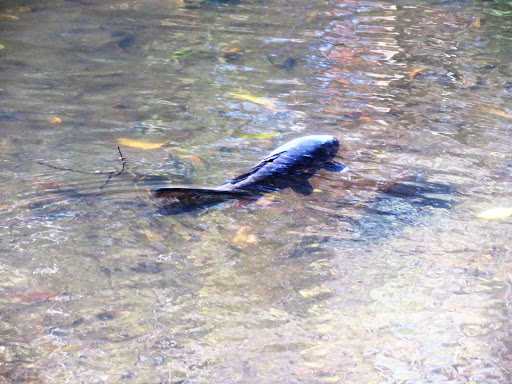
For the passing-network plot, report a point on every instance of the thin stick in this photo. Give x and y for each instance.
(68, 169)
(115, 173)
(109, 174)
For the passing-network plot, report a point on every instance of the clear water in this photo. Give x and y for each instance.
(348, 285)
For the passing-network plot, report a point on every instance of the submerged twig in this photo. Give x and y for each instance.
(67, 169)
(109, 174)
(115, 173)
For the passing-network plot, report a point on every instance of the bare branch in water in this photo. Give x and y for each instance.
(109, 174)
(67, 169)
(115, 173)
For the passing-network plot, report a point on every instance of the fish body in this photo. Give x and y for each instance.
(288, 166)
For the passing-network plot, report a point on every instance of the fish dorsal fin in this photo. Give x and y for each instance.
(256, 168)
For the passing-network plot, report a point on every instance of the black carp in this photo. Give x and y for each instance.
(289, 166)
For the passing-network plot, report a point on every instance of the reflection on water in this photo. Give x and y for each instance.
(383, 274)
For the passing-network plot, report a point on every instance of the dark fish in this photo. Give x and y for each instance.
(123, 39)
(289, 166)
(193, 4)
(289, 64)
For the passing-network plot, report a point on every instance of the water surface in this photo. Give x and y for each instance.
(348, 285)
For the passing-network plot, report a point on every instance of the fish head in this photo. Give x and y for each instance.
(311, 152)
(320, 147)
(323, 149)
(328, 147)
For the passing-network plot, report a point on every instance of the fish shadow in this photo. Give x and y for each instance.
(419, 192)
(400, 205)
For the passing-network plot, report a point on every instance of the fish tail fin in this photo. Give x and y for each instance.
(186, 199)
(195, 192)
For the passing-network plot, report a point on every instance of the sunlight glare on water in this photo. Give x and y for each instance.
(394, 272)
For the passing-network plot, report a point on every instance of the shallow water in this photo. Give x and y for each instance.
(348, 285)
